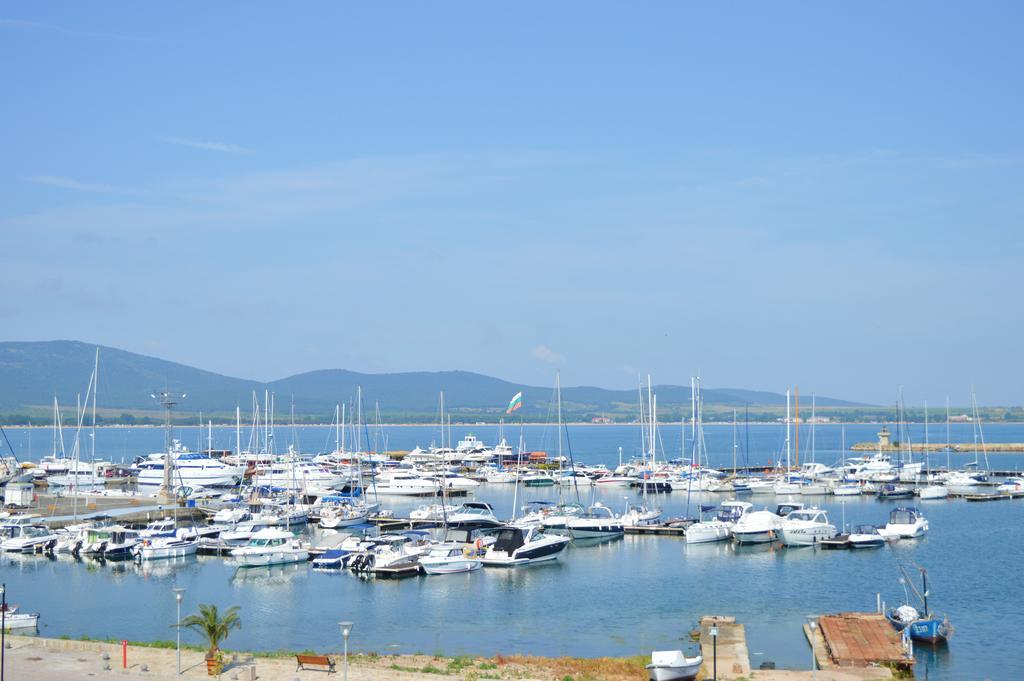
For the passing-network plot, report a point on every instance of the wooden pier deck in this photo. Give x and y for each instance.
(857, 639)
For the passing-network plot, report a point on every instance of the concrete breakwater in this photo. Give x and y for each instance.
(959, 447)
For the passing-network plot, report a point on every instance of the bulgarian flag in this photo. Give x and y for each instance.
(517, 401)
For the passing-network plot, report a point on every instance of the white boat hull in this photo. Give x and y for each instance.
(450, 566)
(272, 558)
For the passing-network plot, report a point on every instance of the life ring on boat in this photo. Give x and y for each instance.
(479, 543)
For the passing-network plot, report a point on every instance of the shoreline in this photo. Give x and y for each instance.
(66, 659)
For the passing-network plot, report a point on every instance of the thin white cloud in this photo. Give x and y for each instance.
(547, 355)
(73, 184)
(206, 146)
(53, 28)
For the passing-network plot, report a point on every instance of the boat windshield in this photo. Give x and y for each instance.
(865, 529)
(902, 516)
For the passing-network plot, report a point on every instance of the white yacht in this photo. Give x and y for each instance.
(189, 469)
(638, 515)
(865, 537)
(500, 476)
(720, 527)
(444, 559)
(1012, 485)
(110, 542)
(22, 538)
(406, 484)
(271, 547)
(476, 512)
(597, 523)
(333, 516)
(524, 545)
(933, 492)
(807, 527)
(757, 527)
(905, 522)
(178, 545)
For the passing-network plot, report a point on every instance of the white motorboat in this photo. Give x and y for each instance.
(432, 511)
(271, 547)
(230, 515)
(343, 515)
(846, 489)
(1013, 485)
(757, 527)
(501, 477)
(14, 620)
(82, 474)
(807, 527)
(865, 537)
(639, 515)
(188, 469)
(476, 512)
(615, 480)
(905, 522)
(554, 518)
(175, 546)
(295, 473)
(240, 534)
(21, 538)
(597, 523)
(963, 483)
(111, 542)
(761, 486)
(575, 479)
(524, 545)
(536, 478)
(406, 484)
(933, 492)
(673, 665)
(718, 528)
(445, 559)
(392, 552)
(453, 481)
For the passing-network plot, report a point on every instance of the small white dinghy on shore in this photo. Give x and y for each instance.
(672, 665)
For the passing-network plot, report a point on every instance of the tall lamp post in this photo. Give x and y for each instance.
(713, 631)
(346, 629)
(179, 593)
(3, 628)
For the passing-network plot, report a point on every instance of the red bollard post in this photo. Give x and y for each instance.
(124, 654)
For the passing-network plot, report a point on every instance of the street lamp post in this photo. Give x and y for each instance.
(179, 593)
(713, 631)
(346, 629)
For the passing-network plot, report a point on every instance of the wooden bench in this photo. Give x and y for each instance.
(314, 661)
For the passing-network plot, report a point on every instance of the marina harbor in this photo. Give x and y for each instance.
(449, 522)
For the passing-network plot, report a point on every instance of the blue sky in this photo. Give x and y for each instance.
(820, 194)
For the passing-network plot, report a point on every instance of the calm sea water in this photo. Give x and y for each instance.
(621, 598)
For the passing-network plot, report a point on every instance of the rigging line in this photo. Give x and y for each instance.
(4, 433)
(572, 463)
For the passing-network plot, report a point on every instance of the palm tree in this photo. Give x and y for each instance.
(213, 626)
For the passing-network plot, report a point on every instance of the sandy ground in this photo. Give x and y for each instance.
(41, 659)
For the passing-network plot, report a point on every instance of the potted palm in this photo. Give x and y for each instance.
(214, 627)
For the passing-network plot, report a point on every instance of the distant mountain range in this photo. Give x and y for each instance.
(31, 373)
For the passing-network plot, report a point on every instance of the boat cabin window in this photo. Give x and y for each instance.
(902, 516)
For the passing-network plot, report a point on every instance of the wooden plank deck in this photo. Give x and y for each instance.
(860, 639)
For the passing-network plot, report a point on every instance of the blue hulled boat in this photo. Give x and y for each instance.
(924, 627)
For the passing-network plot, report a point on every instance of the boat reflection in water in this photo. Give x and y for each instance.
(271, 575)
